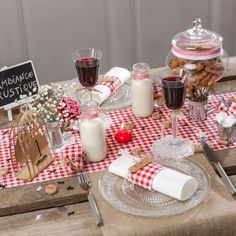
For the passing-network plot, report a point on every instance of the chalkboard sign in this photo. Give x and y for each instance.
(17, 82)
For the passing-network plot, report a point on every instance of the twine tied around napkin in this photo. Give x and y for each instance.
(112, 82)
(78, 90)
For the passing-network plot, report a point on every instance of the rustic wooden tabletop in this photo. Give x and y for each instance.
(73, 215)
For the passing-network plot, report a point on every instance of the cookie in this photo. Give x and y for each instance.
(174, 63)
(3, 171)
(214, 71)
(166, 124)
(136, 151)
(231, 100)
(223, 142)
(199, 76)
(215, 64)
(127, 125)
(199, 67)
(197, 148)
(51, 189)
(156, 115)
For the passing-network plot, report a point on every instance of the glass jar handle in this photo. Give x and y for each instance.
(197, 25)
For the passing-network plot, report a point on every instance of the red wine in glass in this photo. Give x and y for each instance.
(173, 146)
(174, 91)
(87, 69)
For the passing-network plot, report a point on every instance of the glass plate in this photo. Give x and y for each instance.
(142, 202)
(164, 147)
(119, 100)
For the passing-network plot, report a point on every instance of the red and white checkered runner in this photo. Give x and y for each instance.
(145, 133)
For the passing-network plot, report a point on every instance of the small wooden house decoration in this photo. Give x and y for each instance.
(29, 146)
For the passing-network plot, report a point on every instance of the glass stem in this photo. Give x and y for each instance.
(174, 124)
(90, 94)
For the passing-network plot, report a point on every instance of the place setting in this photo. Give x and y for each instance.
(110, 90)
(172, 189)
(135, 144)
(178, 192)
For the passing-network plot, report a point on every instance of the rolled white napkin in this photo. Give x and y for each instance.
(224, 119)
(121, 73)
(229, 121)
(220, 117)
(166, 181)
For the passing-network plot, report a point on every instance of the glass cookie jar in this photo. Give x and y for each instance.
(198, 52)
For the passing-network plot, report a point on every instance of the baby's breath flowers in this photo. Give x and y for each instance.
(52, 106)
(47, 102)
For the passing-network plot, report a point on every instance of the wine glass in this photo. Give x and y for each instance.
(87, 62)
(174, 92)
(87, 65)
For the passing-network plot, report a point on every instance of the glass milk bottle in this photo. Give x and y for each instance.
(142, 90)
(92, 132)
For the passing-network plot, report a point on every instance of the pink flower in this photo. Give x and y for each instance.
(69, 109)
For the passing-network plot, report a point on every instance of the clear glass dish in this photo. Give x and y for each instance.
(119, 100)
(169, 147)
(142, 202)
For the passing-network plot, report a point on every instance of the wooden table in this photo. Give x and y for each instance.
(77, 219)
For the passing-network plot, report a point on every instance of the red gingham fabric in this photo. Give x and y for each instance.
(232, 109)
(113, 85)
(222, 107)
(145, 133)
(145, 175)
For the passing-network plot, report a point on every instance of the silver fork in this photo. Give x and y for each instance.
(86, 185)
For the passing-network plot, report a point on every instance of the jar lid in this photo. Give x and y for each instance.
(89, 110)
(140, 71)
(197, 43)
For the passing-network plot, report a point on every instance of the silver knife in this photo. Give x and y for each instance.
(213, 159)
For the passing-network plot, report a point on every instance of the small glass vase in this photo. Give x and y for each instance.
(197, 110)
(55, 135)
(227, 133)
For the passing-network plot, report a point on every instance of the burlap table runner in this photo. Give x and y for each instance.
(216, 215)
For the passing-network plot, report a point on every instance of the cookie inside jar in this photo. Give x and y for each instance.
(198, 52)
(203, 75)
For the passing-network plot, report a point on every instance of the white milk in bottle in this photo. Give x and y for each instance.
(142, 90)
(92, 132)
